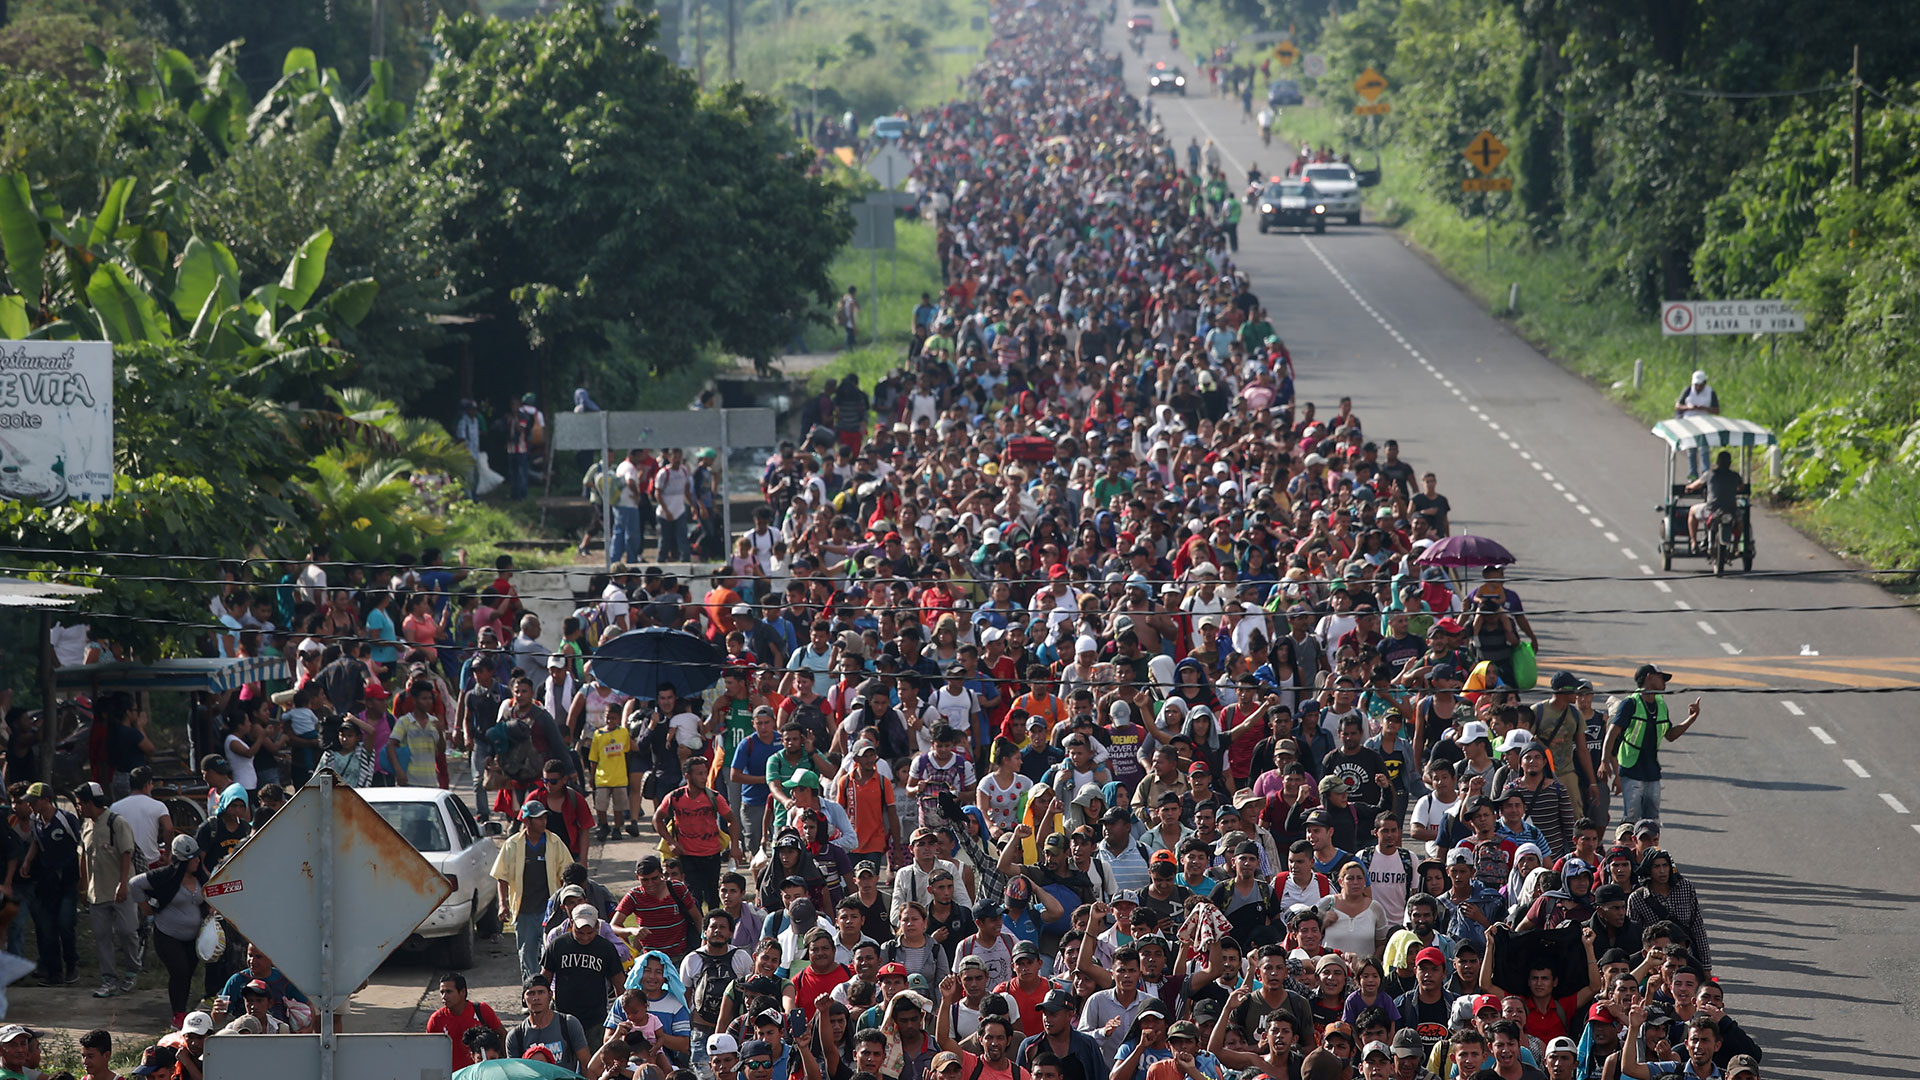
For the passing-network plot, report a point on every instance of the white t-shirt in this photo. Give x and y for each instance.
(614, 604)
(313, 584)
(1387, 876)
(69, 643)
(1292, 892)
(1001, 801)
(1429, 810)
(686, 730)
(955, 708)
(1199, 608)
(1354, 933)
(630, 480)
(144, 812)
(243, 770)
(674, 485)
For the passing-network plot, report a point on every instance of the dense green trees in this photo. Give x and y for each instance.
(614, 215)
(255, 239)
(1696, 150)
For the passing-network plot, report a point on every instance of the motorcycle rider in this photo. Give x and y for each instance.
(1722, 486)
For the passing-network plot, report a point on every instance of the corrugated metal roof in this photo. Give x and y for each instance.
(21, 593)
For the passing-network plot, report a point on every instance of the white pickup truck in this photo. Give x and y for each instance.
(1336, 185)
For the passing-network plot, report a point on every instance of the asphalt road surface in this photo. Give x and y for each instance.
(1790, 809)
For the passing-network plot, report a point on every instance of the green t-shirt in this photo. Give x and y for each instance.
(739, 727)
(779, 769)
(1107, 487)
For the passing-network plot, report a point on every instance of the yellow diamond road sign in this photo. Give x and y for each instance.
(1286, 53)
(1486, 152)
(1370, 85)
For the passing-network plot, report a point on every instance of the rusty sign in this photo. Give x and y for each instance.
(281, 890)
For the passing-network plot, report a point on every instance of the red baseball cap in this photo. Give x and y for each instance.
(1056, 571)
(1199, 766)
(890, 538)
(1485, 1001)
(895, 968)
(1430, 955)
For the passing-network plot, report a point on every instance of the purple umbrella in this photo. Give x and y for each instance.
(1465, 551)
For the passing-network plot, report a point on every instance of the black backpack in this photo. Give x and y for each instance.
(521, 760)
(709, 987)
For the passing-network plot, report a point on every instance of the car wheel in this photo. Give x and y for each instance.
(1263, 228)
(1353, 219)
(460, 947)
(1320, 226)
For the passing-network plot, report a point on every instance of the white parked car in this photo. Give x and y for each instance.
(439, 826)
(1336, 185)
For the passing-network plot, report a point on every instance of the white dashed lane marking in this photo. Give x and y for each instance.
(1820, 733)
(1897, 806)
(1859, 770)
(1794, 709)
(1706, 627)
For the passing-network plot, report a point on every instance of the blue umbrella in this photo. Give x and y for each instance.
(639, 663)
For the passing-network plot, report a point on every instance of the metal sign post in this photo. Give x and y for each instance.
(327, 990)
(608, 494)
(722, 429)
(873, 231)
(284, 890)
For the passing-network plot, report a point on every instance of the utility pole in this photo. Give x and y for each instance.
(377, 48)
(733, 27)
(1856, 116)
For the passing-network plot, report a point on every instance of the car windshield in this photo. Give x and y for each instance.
(1330, 172)
(418, 822)
(1288, 190)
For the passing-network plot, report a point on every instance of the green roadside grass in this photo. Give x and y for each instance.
(1563, 310)
(1204, 26)
(919, 271)
(870, 55)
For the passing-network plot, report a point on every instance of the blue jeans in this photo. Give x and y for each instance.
(624, 546)
(519, 474)
(673, 538)
(526, 934)
(1639, 799)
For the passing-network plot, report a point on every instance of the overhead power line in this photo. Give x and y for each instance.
(1749, 95)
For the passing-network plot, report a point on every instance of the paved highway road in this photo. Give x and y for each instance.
(1791, 810)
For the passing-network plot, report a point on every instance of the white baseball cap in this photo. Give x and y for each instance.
(1699, 377)
(585, 915)
(722, 1043)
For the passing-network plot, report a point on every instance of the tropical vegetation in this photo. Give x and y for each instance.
(302, 265)
(1668, 152)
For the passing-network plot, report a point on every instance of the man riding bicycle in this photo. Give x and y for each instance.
(1722, 486)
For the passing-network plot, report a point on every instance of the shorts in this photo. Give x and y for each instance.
(606, 798)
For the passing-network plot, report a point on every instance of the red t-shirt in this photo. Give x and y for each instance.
(456, 1028)
(664, 916)
(811, 984)
(1028, 1001)
(1547, 1025)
